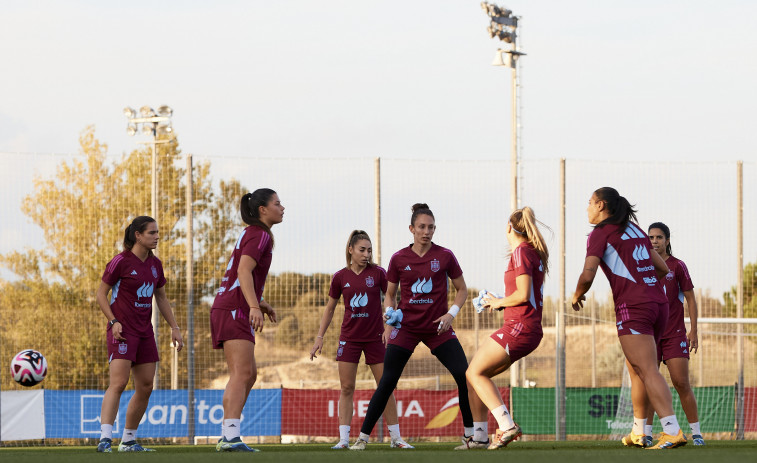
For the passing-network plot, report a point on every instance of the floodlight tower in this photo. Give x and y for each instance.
(504, 26)
(152, 123)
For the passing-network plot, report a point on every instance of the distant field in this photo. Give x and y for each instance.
(531, 452)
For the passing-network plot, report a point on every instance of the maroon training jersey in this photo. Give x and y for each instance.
(363, 315)
(256, 243)
(423, 285)
(525, 261)
(675, 283)
(133, 284)
(625, 259)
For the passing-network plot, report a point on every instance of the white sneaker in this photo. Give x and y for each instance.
(359, 445)
(400, 444)
(469, 443)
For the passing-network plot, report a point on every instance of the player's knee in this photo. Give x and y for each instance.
(681, 385)
(348, 389)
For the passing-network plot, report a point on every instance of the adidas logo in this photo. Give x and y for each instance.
(407, 268)
(631, 232)
(347, 285)
(232, 426)
(133, 272)
(668, 423)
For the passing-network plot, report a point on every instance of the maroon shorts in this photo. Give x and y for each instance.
(675, 347)
(409, 339)
(650, 319)
(349, 351)
(516, 343)
(229, 324)
(136, 349)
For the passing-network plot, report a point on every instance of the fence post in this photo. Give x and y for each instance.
(740, 298)
(190, 307)
(560, 393)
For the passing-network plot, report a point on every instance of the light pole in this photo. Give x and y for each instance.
(504, 26)
(152, 123)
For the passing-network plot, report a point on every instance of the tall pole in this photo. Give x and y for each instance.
(377, 208)
(560, 392)
(190, 306)
(514, 135)
(740, 299)
(154, 215)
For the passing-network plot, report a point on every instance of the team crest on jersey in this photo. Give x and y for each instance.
(122, 348)
(340, 351)
(670, 276)
(154, 272)
(394, 333)
(369, 282)
(435, 265)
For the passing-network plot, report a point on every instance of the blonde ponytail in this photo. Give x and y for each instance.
(524, 223)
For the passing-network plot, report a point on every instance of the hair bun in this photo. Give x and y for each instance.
(419, 206)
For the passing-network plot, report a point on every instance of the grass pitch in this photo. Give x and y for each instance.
(531, 452)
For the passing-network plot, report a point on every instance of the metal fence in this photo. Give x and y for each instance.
(63, 218)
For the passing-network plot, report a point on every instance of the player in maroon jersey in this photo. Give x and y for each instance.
(521, 332)
(421, 270)
(674, 346)
(361, 283)
(622, 249)
(132, 277)
(239, 307)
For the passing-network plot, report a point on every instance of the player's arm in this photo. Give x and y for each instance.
(390, 297)
(445, 321)
(659, 265)
(691, 305)
(591, 264)
(522, 291)
(161, 299)
(101, 296)
(244, 273)
(328, 315)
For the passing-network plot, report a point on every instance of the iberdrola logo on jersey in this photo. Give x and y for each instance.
(446, 415)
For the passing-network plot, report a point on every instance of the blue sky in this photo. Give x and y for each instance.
(667, 80)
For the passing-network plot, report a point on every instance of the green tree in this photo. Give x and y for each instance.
(749, 288)
(83, 210)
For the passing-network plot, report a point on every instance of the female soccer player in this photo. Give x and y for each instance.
(421, 270)
(623, 250)
(238, 308)
(521, 332)
(674, 346)
(361, 283)
(134, 276)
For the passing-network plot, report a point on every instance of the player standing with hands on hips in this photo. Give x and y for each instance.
(361, 283)
(421, 270)
(132, 277)
(674, 346)
(521, 332)
(239, 307)
(622, 249)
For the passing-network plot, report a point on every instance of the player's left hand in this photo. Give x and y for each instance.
(445, 323)
(268, 309)
(693, 341)
(578, 302)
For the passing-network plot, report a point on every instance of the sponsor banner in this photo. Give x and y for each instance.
(76, 414)
(23, 415)
(750, 409)
(592, 410)
(421, 413)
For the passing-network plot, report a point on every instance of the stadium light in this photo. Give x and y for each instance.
(152, 123)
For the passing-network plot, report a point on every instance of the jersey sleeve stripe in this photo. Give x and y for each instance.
(264, 241)
(114, 263)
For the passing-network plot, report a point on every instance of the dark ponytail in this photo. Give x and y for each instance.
(249, 208)
(418, 209)
(621, 211)
(137, 225)
(356, 236)
(666, 232)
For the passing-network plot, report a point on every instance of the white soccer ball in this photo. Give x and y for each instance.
(28, 367)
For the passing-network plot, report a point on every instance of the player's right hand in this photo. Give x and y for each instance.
(116, 329)
(256, 319)
(578, 302)
(317, 348)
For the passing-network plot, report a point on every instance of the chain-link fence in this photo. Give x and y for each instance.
(63, 218)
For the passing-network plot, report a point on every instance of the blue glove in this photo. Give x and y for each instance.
(394, 317)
